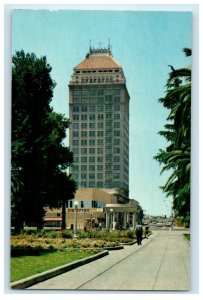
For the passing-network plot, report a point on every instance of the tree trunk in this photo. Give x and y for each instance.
(63, 225)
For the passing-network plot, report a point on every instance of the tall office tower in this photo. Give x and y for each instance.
(99, 113)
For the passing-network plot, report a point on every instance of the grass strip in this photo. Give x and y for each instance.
(25, 266)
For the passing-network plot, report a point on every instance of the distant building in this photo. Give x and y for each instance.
(99, 112)
(99, 139)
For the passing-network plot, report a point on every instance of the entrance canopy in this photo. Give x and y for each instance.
(109, 208)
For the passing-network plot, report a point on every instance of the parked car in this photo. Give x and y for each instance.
(159, 224)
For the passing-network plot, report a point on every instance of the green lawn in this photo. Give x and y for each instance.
(25, 266)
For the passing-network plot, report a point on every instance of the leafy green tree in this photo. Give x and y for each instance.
(39, 157)
(176, 156)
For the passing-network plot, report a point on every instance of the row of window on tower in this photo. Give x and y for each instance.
(96, 92)
(96, 117)
(98, 107)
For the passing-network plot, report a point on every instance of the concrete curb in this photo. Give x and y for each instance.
(29, 281)
(114, 248)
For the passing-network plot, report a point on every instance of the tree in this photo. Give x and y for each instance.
(39, 158)
(176, 156)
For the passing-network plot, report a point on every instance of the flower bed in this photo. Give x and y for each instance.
(47, 241)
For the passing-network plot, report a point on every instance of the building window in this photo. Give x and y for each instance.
(116, 159)
(100, 159)
(108, 141)
(100, 92)
(82, 204)
(84, 108)
(83, 133)
(76, 108)
(84, 125)
(75, 151)
(100, 125)
(91, 175)
(116, 100)
(92, 142)
(117, 108)
(83, 167)
(75, 117)
(83, 176)
(76, 134)
(108, 108)
(92, 168)
(117, 92)
(100, 133)
(117, 116)
(116, 133)
(100, 117)
(70, 204)
(116, 142)
(91, 133)
(84, 117)
(108, 124)
(109, 158)
(76, 92)
(99, 150)
(108, 149)
(92, 117)
(92, 92)
(76, 159)
(92, 159)
(117, 125)
(83, 150)
(83, 184)
(100, 184)
(116, 167)
(116, 176)
(92, 125)
(84, 159)
(100, 142)
(91, 150)
(92, 108)
(84, 92)
(75, 142)
(91, 184)
(100, 108)
(100, 167)
(108, 116)
(109, 98)
(116, 183)
(116, 150)
(108, 167)
(83, 142)
(75, 125)
(75, 168)
(94, 204)
(100, 176)
(108, 132)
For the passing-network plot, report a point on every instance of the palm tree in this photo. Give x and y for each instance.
(176, 156)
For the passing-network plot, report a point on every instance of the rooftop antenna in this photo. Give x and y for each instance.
(109, 44)
(90, 45)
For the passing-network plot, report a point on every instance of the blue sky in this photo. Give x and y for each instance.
(144, 43)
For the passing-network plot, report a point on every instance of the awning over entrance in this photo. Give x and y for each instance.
(120, 208)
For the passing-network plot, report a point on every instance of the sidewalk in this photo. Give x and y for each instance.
(162, 262)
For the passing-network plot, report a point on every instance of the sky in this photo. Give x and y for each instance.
(144, 43)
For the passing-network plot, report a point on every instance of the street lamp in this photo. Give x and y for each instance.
(111, 218)
(76, 218)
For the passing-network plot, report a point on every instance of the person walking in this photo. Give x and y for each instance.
(146, 232)
(139, 232)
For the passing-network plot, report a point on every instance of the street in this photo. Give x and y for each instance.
(162, 262)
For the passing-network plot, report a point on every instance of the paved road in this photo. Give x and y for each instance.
(162, 262)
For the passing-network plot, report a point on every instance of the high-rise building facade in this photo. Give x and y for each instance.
(99, 115)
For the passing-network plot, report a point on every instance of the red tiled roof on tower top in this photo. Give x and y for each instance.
(98, 60)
